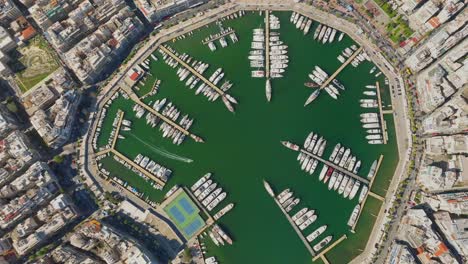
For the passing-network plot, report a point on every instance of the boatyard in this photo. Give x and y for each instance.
(242, 148)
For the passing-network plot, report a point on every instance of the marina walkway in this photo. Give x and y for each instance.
(299, 233)
(138, 167)
(102, 152)
(336, 167)
(192, 70)
(267, 44)
(382, 120)
(387, 112)
(369, 193)
(117, 129)
(322, 254)
(348, 61)
(204, 42)
(137, 100)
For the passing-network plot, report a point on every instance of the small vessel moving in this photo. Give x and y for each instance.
(268, 188)
(268, 90)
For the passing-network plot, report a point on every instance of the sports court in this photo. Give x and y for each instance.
(185, 215)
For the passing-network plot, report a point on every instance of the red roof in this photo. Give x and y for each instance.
(28, 33)
(134, 76)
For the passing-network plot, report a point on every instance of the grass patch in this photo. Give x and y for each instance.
(37, 61)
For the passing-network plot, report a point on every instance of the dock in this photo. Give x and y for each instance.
(267, 44)
(336, 167)
(117, 129)
(192, 70)
(382, 120)
(348, 61)
(204, 42)
(299, 233)
(369, 193)
(137, 100)
(322, 254)
(138, 167)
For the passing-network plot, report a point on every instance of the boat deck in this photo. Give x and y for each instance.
(348, 61)
(192, 70)
(204, 42)
(382, 120)
(267, 44)
(336, 167)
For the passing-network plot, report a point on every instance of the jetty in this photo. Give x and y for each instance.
(193, 71)
(139, 168)
(117, 129)
(381, 113)
(369, 192)
(299, 233)
(330, 247)
(137, 100)
(348, 61)
(335, 166)
(216, 37)
(267, 44)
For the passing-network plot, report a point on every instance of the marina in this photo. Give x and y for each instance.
(237, 152)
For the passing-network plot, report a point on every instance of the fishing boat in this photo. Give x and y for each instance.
(354, 215)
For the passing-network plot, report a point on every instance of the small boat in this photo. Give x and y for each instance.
(312, 97)
(322, 243)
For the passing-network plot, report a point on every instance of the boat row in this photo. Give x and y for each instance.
(315, 145)
(197, 68)
(206, 191)
(346, 53)
(371, 122)
(361, 57)
(257, 55)
(221, 37)
(153, 167)
(326, 34)
(287, 200)
(319, 77)
(219, 236)
(274, 22)
(301, 22)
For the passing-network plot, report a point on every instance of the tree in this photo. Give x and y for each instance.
(58, 159)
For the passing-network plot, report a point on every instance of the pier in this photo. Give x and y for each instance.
(299, 233)
(382, 120)
(204, 42)
(369, 193)
(192, 70)
(336, 167)
(322, 254)
(137, 100)
(117, 129)
(348, 61)
(138, 167)
(267, 44)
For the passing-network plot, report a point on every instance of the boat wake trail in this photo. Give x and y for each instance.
(163, 152)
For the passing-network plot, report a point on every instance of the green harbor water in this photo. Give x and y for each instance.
(244, 148)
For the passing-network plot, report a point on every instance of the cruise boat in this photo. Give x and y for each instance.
(312, 97)
(317, 145)
(375, 141)
(322, 148)
(290, 145)
(203, 187)
(357, 167)
(317, 31)
(348, 188)
(216, 201)
(285, 197)
(354, 190)
(335, 152)
(354, 215)
(332, 36)
(371, 125)
(343, 184)
(223, 211)
(268, 90)
(299, 22)
(283, 193)
(370, 93)
(340, 38)
(363, 193)
(223, 234)
(339, 155)
(299, 214)
(371, 86)
(369, 115)
(307, 26)
(308, 140)
(304, 217)
(338, 181)
(372, 170)
(373, 136)
(341, 58)
(316, 233)
(292, 204)
(308, 222)
(322, 243)
(322, 33)
(332, 181)
(331, 93)
(207, 191)
(327, 35)
(323, 172)
(210, 197)
(328, 174)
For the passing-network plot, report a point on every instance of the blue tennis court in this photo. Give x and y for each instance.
(193, 227)
(187, 206)
(177, 214)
